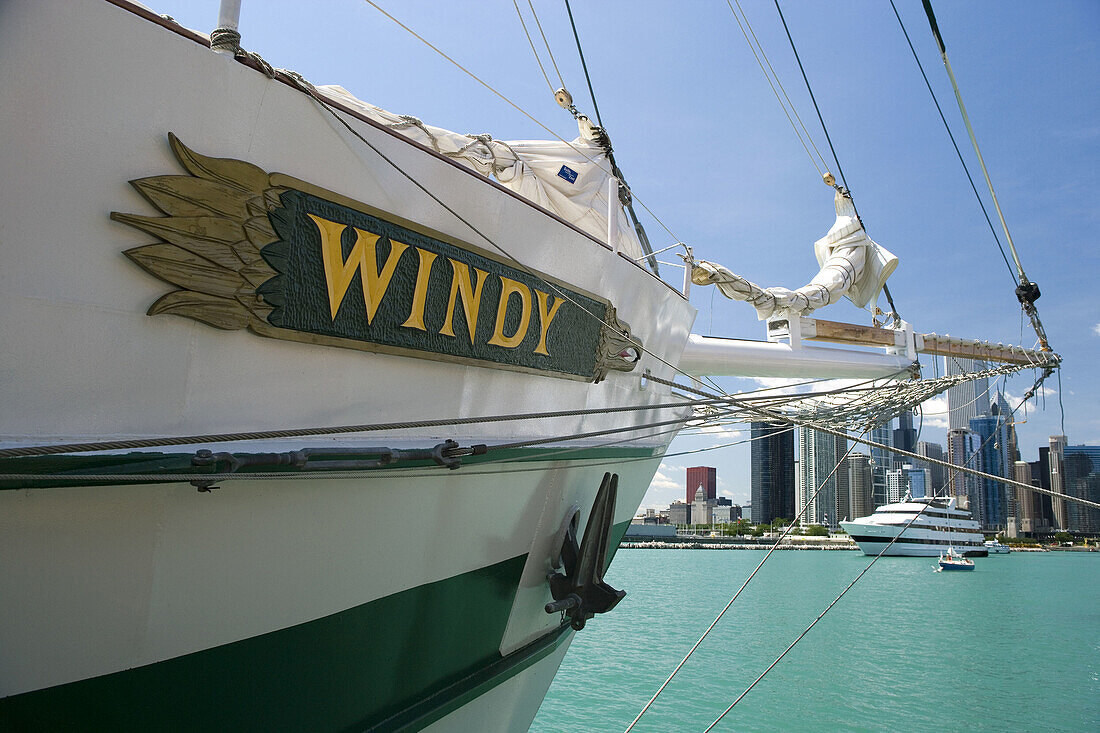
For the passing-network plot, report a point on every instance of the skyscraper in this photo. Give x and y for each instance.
(1007, 449)
(992, 436)
(700, 508)
(1025, 517)
(881, 461)
(704, 476)
(1043, 505)
(1057, 481)
(860, 501)
(818, 455)
(1010, 450)
(840, 507)
(938, 473)
(962, 450)
(907, 481)
(772, 475)
(905, 436)
(896, 486)
(968, 399)
(1082, 479)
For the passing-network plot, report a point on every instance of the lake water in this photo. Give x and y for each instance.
(1013, 645)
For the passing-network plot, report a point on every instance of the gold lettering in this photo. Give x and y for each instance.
(339, 273)
(507, 288)
(471, 298)
(420, 293)
(545, 318)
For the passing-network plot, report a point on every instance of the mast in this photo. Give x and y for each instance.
(226, 38)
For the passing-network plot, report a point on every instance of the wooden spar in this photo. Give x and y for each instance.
(931, 343)
(928, 343)
(850, 333)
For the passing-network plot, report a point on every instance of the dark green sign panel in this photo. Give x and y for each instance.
(347, 274)
(288, 260)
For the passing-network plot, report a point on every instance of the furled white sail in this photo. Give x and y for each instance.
(568, 179)
(852, 265)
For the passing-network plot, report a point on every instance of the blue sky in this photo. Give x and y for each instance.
(704, 144)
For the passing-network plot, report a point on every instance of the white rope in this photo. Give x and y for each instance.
(768, 78)
(722, 613)
(535, 52)
(525, 113)
(547, 44)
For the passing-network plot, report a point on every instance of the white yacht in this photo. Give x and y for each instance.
(938, 524)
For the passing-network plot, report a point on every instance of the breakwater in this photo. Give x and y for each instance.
(736, 543)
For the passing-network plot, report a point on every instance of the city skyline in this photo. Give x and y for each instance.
(847, 492)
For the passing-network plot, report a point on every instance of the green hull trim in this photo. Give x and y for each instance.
(84, 468)
(397, 663)
(618, 531)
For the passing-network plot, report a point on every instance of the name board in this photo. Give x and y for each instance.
(288, 260)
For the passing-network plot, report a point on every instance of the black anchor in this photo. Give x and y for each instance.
(580, 592)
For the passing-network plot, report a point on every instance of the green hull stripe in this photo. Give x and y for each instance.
(404, 660)
(180, 463)
(618, 531)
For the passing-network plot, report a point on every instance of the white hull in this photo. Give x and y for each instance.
(98, 580)
(905, 549)
(102, 579)
(64, 274)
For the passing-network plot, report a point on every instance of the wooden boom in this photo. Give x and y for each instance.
(927, 343)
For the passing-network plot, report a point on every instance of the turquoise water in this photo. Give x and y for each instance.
(1013, 645)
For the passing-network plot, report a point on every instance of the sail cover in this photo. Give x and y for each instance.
(568, 179)
(852, 265)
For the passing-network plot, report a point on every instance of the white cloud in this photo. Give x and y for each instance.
(935, 412)
(721, 434)
(719, 430)
(663, 490)
(776, 383)
(1096, 329)
(662, 480)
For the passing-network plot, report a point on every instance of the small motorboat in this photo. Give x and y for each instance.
(954, 561)
(996, 548)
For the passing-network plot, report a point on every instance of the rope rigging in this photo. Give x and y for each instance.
(757, 50)
(546, 43)
(844, 183)
(760, 407)
(727, 607)
(807, 421)
(487, 466)
(580, 52)
(966, 169)
(1027, 292)
(533, 50)
(566, 102)
(625, 196)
